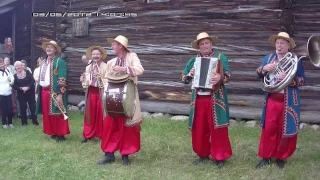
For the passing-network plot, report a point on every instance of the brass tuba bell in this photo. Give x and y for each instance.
(313, 48)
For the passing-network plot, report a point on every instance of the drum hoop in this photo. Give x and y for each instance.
(117, 81)
(124, 96)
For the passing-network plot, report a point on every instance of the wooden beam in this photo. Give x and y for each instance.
(14, 35)
(33, 63)
(240, 112)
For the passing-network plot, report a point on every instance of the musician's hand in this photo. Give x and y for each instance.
(59, 100)
(81, 79)
(119, 69)
(281, 76)
(215, 78)
(269, 67)
(25, 89)
(192, 71)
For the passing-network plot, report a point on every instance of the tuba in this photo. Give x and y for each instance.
(313, 47)
(289, 65)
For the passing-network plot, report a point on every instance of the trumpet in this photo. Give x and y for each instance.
(61, 108)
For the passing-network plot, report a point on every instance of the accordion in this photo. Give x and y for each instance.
(204, 69)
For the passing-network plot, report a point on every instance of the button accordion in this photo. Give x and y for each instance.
(204, 69)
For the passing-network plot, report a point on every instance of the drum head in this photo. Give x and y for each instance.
(117, 76)
(129, 98)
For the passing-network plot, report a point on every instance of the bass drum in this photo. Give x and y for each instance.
(120, 98)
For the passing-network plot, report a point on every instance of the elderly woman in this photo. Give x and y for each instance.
(24, 84)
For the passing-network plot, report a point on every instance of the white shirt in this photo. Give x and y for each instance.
(5, 86)
(36, 74)
(46, 81)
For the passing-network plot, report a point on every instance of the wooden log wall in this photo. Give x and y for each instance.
(305, 24)
(162, 32)
(23, 30)
(44, 28)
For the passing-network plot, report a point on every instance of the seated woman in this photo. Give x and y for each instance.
(24, 84)
(7, 47)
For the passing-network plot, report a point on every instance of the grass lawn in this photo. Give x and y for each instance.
(166, 153)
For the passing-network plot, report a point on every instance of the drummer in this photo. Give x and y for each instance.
(93, 115)
(121, 133)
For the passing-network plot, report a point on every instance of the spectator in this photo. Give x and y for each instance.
(24, 84)
(25, 65)
(6, 80)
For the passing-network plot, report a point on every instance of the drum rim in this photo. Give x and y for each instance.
(124, 97)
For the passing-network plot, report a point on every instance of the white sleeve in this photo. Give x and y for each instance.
(12, 78)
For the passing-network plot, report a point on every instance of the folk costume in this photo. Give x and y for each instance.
(53, 75)
(93, 115)
(281, 112)
(121, 133)
(209, 112)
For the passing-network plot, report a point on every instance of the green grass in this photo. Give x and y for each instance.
(166, 153)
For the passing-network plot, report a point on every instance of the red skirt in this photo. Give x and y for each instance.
(206, 140)
(95, 115)
(272, 145)
(53, 125)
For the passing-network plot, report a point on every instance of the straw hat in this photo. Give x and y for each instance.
(53, 43)
(91, 48)
(282, 35)
(203, 35)
(120, 39)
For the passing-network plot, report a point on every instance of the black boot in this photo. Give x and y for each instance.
(220, 164)
(53, 137)
(60, 138)
(35, 122)
(24, 122)
(280, 163)
(84, 140)
(125, 160)
(200, 160)
(262, 163)
(107, 158)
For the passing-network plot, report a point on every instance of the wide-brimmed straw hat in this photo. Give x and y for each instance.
(282, 35)
(91, 48)
(120, 39)
(53, 43)
(203, 35)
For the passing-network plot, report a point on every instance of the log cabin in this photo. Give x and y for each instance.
(160, 32)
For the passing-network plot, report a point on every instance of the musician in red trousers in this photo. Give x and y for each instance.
(281, 113)
(121, 133)
(209, 109)
(94, 85)
(52, 81)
